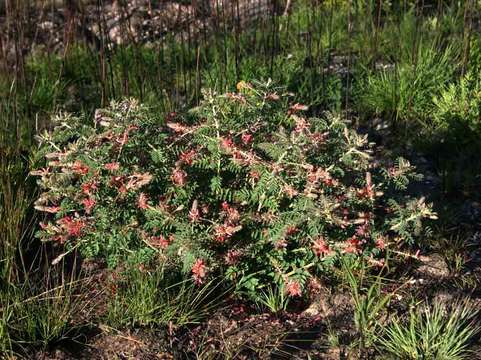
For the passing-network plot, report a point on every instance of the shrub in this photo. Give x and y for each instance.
(455, 130)
(243, 186)
(457, 112)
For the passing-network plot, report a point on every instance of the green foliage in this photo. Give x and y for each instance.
(404, 91)
(159, 298)
(39, 315)
(457, 111)
(243, 186)
(273, 299)
(437, 332)
(369, 302)
(15, 201)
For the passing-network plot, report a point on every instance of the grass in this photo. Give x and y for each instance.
(370, 302)
(274, 299)
(157, 298)
(437, 332)
(403, 95)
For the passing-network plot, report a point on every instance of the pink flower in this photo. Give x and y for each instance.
(176, 127)
(179, 177)
(294, 288)
(246, 138)
(80, 168)
(314, 285)
(73, 227)
(199, 271)
(113, 166)
(280, 244)
(368, 191)
(363, 230)
(319, 138)
(49, 209)
(225, 205)
(89, 187)
(378, 263)
(232, 257)
(137, 180)
(232, 214)
(290, 191)
(296, 108)
(301, 125)
(88, 204)
(221, 233)
(160, 241)
(380, 243)
(142, 201)
(322, 175)
(194, 213)
(227, 144)
(224, 232)
(291, 230)
(187, 157)
(353, 246)
(320, 247)
(124, 137)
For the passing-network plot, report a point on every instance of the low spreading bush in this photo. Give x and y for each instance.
(243, 186)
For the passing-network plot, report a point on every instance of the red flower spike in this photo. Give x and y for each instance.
(296, 108)
(246, 138)
(48, 209)
(380, 243)
(73, 227)
(301, 125)
(89, 187)
(291, 230)
(232, 257)
(113, 166)
(199, 271)
(179, 177)
(280, 244)
(80, 168)
(294, 288)
(187, 157)
(353, 246)
(224, 232)
(227, 144)
(368, 191)
(88, 204)
(142, 201)
(194, 213)
(160, 241)
(321, 247)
